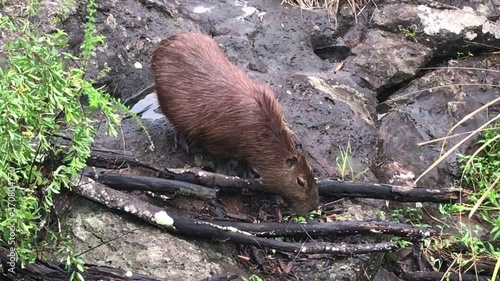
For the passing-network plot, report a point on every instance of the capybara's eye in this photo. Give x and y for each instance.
(300, 182)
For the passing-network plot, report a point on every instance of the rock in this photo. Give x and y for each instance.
(384, 60)
(106, 238)
(444, 28)
(428, 108)
(332, 116)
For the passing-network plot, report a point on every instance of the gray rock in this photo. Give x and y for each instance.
(384, 60)
(428, 108)
(106, 238)
(444, 28)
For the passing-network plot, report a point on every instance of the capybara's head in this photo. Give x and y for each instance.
(294, 182)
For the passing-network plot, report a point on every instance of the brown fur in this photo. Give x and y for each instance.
(210, 100)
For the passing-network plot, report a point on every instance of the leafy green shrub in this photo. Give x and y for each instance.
(481, 174)
(40, 91)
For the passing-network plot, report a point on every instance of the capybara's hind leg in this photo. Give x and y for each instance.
(242, 169)
(181, 140)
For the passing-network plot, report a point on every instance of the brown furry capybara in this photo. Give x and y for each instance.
(211, 101)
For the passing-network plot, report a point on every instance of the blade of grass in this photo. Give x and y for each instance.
(443, 86)
(461, 68)
(495, 271)
(483, 197)
(452, 136)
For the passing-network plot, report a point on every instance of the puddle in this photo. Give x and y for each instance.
(147, 106)
(382, 110)
(201, 9)
(247, 10)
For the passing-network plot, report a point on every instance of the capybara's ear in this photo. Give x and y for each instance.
(292, 161)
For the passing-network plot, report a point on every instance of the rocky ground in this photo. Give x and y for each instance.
(381, 104)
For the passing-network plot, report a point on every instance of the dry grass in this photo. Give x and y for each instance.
(331, 6)
(472, 134)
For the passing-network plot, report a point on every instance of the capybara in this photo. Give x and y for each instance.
(211, 101)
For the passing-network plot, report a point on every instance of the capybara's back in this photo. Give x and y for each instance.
(210, 101)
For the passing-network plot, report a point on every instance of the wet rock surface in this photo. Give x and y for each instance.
(329, 110)
(109, 239)
(428, 108)
(380, 70)
(444, 27)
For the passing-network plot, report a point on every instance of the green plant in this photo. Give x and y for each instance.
(410, 215)
(344, 163)
(90, 40)
(461, 55)
(72, 260)
(382, 214)
(302, 219)
(255, 277)
(65, 10)
(410, 32)
(294, 218)
(40, 89)
(481, 175)
(401, 243)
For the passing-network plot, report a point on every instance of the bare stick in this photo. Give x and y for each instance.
(332, 188)
(228, 184)
(115, 159)
(51, 270)
(327, 188)
(126, 182)
(340, 228)
(54, 271)
(222, 277)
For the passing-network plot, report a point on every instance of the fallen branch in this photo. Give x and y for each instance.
(116, 159)
(227, 184)
(110, 159)
(125, 182)
(334, 188)
(327, 188)
(172, 222)
(128, 182)
(341, 228)
(54, 271)
(222, 277)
